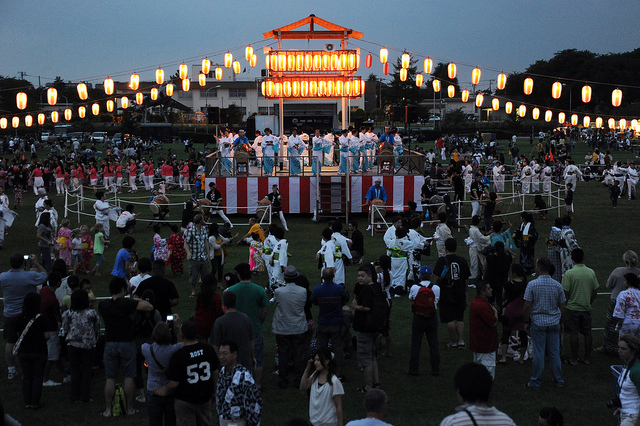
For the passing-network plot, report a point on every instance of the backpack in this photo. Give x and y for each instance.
(378, 317)
(119, 403)
(425, 302)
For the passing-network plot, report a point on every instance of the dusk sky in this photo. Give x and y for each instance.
(88, 40)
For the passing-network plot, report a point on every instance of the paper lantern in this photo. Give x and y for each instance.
(385, 68)
(475, 76)
(574, 120)
(248, 53)
(286, 88)
(28, 120)
(535, 113)
(206, 66)
(419, 80)
(83, 94)
(21, 100)
(479, 100)
(369, 61)
(612, 123)
(548, 115)
(304, 88)
(108, 87)
(495, 104)
(202, 79)
(556, 90)
(82, 112)
(501, 81)
(451, 90)
(183, 71)
(15, 122)
(236, 67)
(452, 71)
(465, 95)
(228, 60)
(384, 55)
(295, 88)
(586, 93)
(278, 90)
(68, 114)
(218, 73)
(313, 88)
(3, 123)
(299, 62)
(599, 122)
(340, 88)
(428, 66)
(586, 121)
(186, 85)
(52, 96)
(623, 124)
(124, 102)
(528, 86)
(134, 81)
(159, 76)
(436, 85)
(634, 123)
(331, 88)
(405, 60)
(169, 89)
(253, 61)
(403, 74)
(139, 98)
(616, 97)
(522, 110)
(41, 119)
(110, 105)
(508, 107)
(561, 117)
(154, 94)
(95, 108)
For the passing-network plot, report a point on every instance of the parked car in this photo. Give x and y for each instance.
(117, 139)
(98, 137)
(45, 137)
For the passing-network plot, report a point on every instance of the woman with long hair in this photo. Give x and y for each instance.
(45, 240)
(628, 399)
(160, 248)
(627, 310)
(513, 312)
(64, 241)
(208, 307)
(325, 397)
(217, 249)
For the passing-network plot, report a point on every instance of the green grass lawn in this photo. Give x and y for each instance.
(603, 232)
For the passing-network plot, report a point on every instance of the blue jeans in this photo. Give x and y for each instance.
(546, 340)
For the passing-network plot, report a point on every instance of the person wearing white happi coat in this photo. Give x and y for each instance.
(477, 241)
(632, 180)
(267, 250)
(270, 145)
(401, 246)
(525, 178)
(572, 174)
(341, 249)
(467, 175)
(364, 149)
(318, 144)
(329, 148)
(327, 253)
(535, 176)
(547, 174)
(279, 260)
(415, 255)
(343, 141)
(354, 153)
(371, 149)
(397, 148)
(225, 145)
(498, 177)
(257, 148)
(390, 233)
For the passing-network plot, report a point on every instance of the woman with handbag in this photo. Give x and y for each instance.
(628, 401)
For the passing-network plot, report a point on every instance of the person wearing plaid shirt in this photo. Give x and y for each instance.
(196, 246)
(544, 305)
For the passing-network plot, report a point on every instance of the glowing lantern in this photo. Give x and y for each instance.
(317, 62)
(95, 108)
(353, 61)
(236, 67)
(419, 80)
(299, 62)
(291, 62)
(68, 114)
(21, 100)
(428, 66)
(308, 62)
(406, 60)
(278, 90)
(41, 118)
(452, 71)
(108, 87)
(475, 76)
(385, 68)
(3, 123)
(186, 85)
(286, 88)
(206, 66)
(616, 97)
(28, 121)
(253, 61)
(561, 118)
(501, 82)
(436, 85)
(535, 113)
(248, 53)
(508, 107)
(574, 120)
(586, 121)
(134, 81)
(344, 61)
(154, 94)
(623, 124)
(82, 112)
(369, 61)
(110, 105)
(183, 71)
(282, 62)
(612, 123)
(599, 122)
(82, 91)
(218, 73)
(384, 55)
(528, 86)
(479, 100)
(296, 88)
(313, 88)
(15, 122)
(340, 88)
(495, 104)
(634, 123)
(465, 95)
(169, 89)
(451, 90)
(124, 102)
(52, 96)
(522, 110)
(139, 98)
(556, 90)
(586, 94)
(331, 88)
(548, 115)
(304, 88)
(160, 75)
(202, 79)
(403, 74)
(263, 86)
(322, 88)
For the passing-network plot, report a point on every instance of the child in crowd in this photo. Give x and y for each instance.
(176, 251)
(615, 193)
(18, 194)
(255, 254)
(76, 251)
(85, 285)
(568, 199)
(87, 247)
(100, 242)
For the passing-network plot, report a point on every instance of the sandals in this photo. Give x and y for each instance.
(452, 345)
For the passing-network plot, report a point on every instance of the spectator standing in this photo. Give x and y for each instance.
(50, 310)
(196, 245)
(236, 326)
(483, 331)
(325, 389)
(425, 322)
(375, 402)
(122, 264)
(208, 307)
(166, 295)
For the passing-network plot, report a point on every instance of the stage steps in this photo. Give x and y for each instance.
(333, 197)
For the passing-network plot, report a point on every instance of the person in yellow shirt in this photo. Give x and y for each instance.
(255, 228)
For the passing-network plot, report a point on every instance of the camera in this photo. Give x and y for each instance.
(614, 403)
(169, 318)
(26, 257)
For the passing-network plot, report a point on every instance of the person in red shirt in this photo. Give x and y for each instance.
(59, 179)
(483, 328)
(167, 173)
(50, 309)
(119, 177)
(36, 175)
(108, 174)
(148, 170)
(79, 176)
(132, 175)
(184, 176)
(93, 177)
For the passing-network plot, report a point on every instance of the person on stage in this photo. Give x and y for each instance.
(295, 147)
(318, 143)
(343, 140)
(270, 146)
(376, 192)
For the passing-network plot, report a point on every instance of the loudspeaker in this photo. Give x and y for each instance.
(396, 113)
(410, 114)
(213, 115)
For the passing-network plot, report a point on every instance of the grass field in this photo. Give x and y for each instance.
(603, 232)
